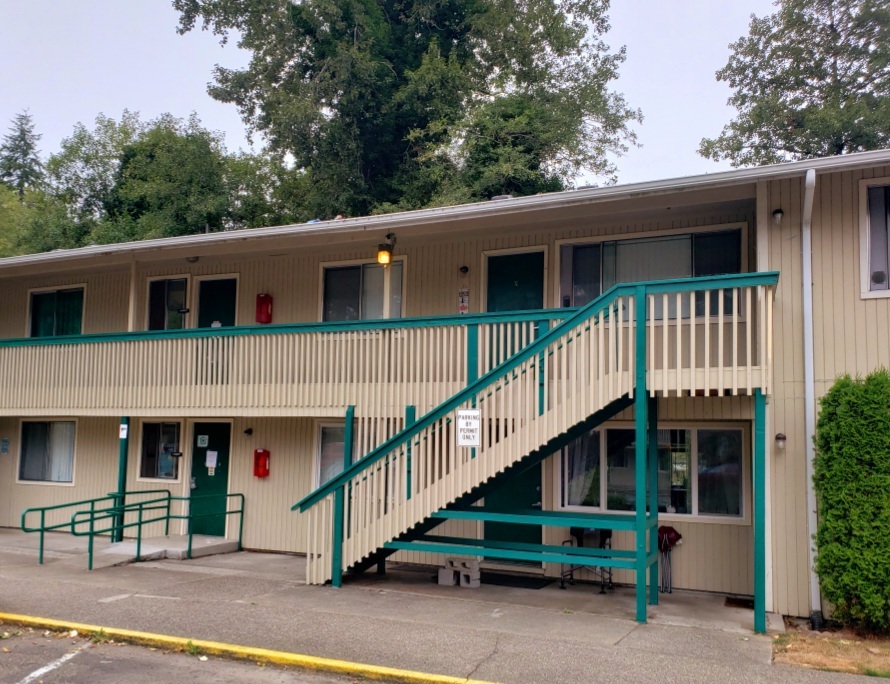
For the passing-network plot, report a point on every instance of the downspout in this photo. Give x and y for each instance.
(809, 391)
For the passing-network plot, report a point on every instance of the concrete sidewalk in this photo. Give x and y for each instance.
(402, 620)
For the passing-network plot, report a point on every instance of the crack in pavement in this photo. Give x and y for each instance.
(486, 658)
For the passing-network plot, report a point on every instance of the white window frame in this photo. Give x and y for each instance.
(642, 235)
(319, 426)
(179, 467)
(46, 483)
(193, 294)
(387, 285)
(694, 517)
(483, 302)
(188, 296)
(55, 288)
(865, 291)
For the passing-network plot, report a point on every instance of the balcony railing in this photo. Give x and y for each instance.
(713, 337)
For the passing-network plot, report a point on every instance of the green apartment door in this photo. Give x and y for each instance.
(515, 283)
(217, 299)
(210, 477)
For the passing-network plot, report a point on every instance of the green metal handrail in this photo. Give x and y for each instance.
(116, 513)
(42, 528)
(98, 512)
(298, 328)
(573, 319)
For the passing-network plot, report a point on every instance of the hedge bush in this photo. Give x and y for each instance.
(852, 479)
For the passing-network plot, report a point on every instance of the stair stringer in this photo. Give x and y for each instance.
(531, 460)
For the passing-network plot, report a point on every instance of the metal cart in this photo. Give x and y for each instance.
(589, 537)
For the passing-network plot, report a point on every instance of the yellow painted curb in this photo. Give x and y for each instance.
(243, 652)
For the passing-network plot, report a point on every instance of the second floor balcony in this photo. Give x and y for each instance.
(706, 336)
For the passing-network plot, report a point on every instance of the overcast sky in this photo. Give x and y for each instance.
(68, 60)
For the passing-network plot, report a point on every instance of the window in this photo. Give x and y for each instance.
(57, 312)
(332, 440)
(587, 270)
(47, 453)
(159, 442)
(167, 304)
(878, 225)
(701, 471)
(362, 292)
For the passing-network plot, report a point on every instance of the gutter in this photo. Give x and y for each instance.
(371, 225)
(809, 379)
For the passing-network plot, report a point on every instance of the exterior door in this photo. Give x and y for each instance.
(515, 283)
(210, 478)
(217, 299)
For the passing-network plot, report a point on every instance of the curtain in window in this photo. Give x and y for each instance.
(581, 465)
(330, 465)
(69, 312)
(61, 452)
(47, 452)
(57, 313)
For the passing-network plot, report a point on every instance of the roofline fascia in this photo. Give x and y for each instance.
(387, 222)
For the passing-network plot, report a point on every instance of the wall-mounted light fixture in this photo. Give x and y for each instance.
(248, 432)
(778, 214)
(780, 441)
(192, 259)
(463, 270)
(384, 250)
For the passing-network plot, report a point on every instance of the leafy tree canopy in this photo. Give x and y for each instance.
(20, 165)
(393, 104)
(811, 80)
(170, 181)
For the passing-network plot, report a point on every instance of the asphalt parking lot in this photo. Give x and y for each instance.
(29, 656)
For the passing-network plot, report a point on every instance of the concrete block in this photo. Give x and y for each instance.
(469, 565)
(447, 577)
(468, 581)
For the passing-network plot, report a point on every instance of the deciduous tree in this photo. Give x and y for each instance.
(811, 80)
(384, 103)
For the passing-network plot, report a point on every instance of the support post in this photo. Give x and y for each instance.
(472, 353)
(641, 405)
(337, 540)
(653, 498)
(542, 329)
(120, 500)
(759, 512)
(410, 418)
(340, 502)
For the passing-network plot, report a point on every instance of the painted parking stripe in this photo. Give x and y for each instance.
(37, 674)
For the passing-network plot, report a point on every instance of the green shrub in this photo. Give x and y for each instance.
(852, 478)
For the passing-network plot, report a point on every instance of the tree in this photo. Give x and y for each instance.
(20, 165)
(379, 101)
(170, 181)
(86, 167)
(811, 80)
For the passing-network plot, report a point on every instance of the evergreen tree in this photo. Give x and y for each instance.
(811, 80)
(20, 165)
(397, 104)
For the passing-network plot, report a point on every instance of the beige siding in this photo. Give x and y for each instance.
(432, 277)
(105, 301)
(850, 336)
(95, 471)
